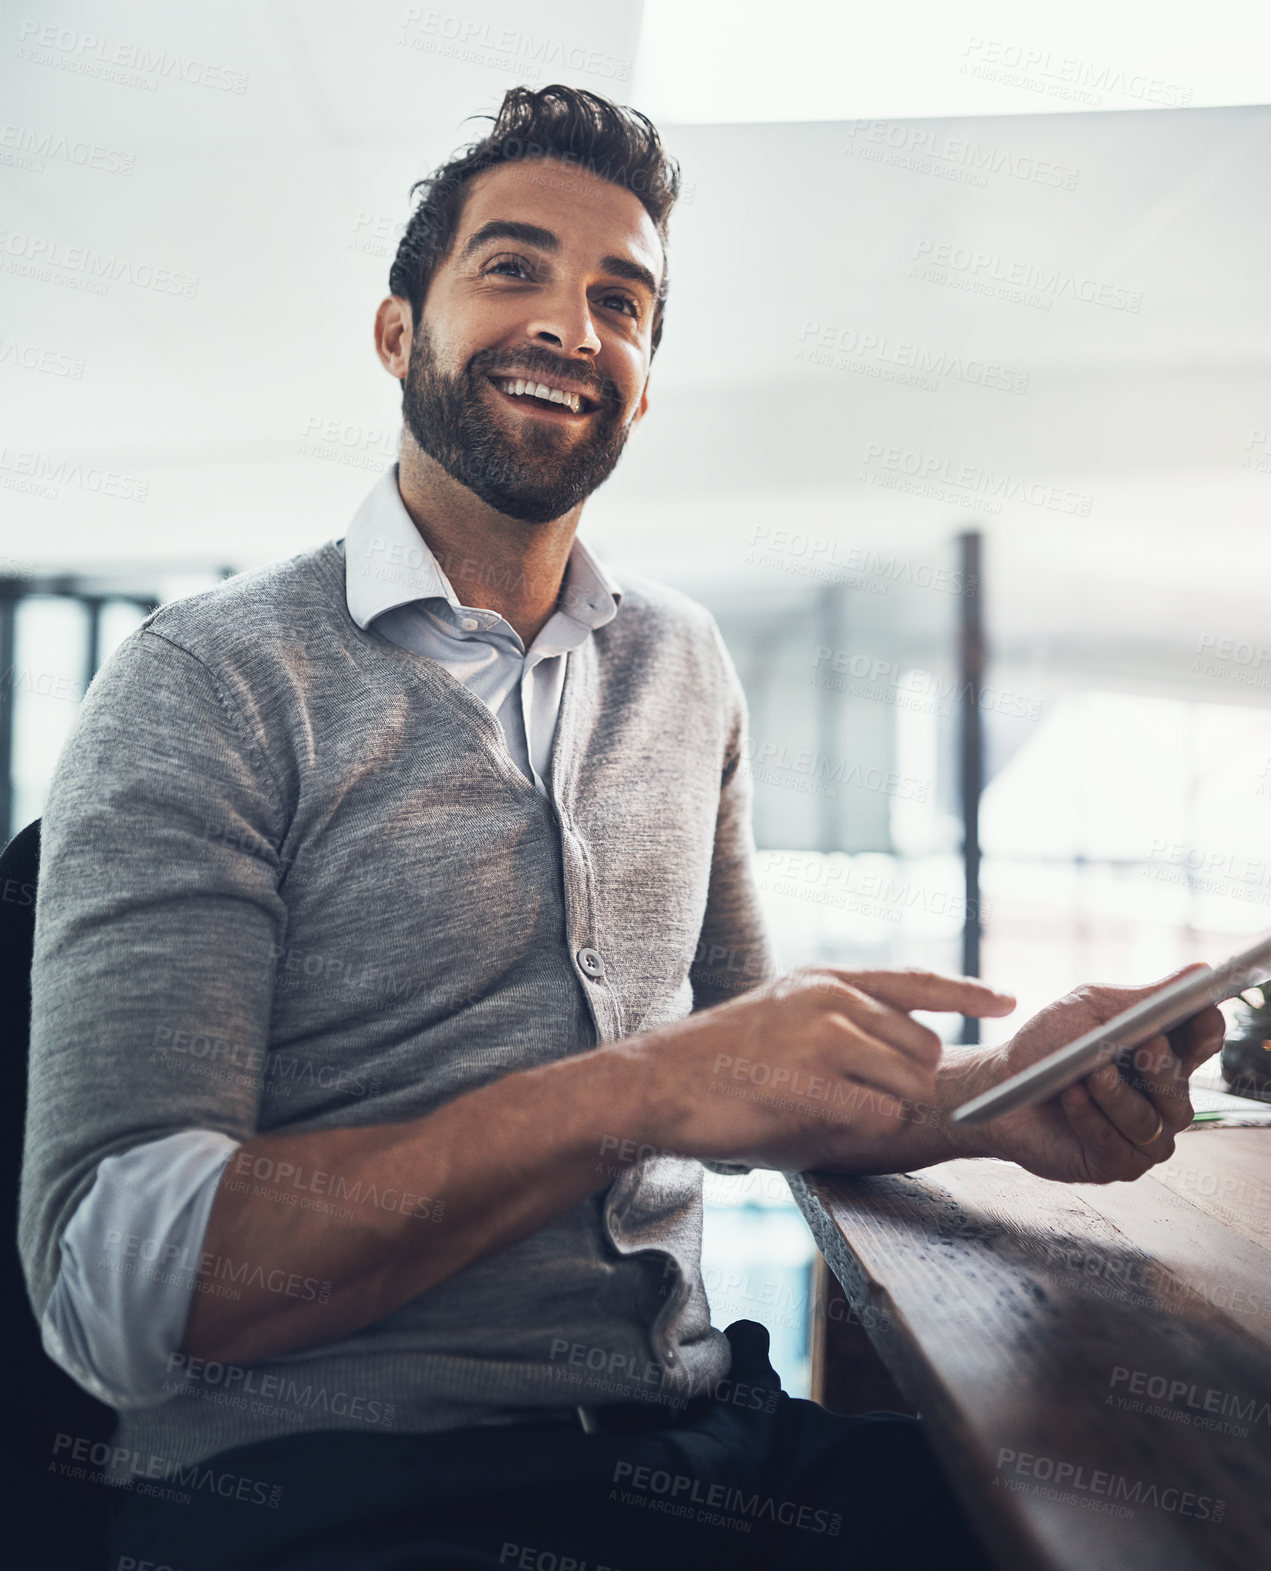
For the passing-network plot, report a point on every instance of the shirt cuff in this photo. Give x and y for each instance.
(129, 1259)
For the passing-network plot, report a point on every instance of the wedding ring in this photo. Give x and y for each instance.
(1154, 1136)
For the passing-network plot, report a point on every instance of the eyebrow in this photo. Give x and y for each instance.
(505, 229)
(545, 240)
(633, 271)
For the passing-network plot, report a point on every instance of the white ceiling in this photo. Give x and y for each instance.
(745, 60)
(283, 200)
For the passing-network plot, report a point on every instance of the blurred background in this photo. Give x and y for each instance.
(961, 426)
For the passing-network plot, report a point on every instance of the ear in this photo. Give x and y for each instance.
(641, 406)
(393, 335)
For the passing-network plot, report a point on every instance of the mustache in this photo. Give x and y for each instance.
(543, 364)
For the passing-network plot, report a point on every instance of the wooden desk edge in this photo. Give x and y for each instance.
(1004, 1535)
(1007, 1535)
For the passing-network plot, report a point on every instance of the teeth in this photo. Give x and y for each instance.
(520, 388)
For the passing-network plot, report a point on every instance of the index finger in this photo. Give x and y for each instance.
(917, 989)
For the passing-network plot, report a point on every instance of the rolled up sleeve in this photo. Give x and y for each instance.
(157, 925)
(130, 1263)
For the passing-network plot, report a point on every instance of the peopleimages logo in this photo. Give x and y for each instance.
(530, 1557)
(834, 878)
(129, 64)
(318, 1181)
(127, 1467)
(23, 147)
(37, 256)
(773, 762)
(25, 469)
(234, 1384)
(1067, 77)
(860, 675)
(1075, 1483)
(937, 261)
(848, 349)
(508, 49)
(1183, 1401)
(903, 145)
(724, 1504)
(52, 362)
(157, 1259)
(930, 474)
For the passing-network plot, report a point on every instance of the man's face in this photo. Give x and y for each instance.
(550, 283)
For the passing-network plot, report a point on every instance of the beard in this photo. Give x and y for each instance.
(535, 474)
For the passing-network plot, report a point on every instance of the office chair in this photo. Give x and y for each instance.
(58, 1522)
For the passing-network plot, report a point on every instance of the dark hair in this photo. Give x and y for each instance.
(568, 124)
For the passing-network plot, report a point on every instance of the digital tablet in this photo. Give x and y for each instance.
(1168, 1007)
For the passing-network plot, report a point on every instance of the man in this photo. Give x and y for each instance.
(374, 1064)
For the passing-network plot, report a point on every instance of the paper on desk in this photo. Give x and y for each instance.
(1219, 1109)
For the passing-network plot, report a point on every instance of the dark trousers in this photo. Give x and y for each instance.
(747, 1478)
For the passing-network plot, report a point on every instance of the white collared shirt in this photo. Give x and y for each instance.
(396, 587)
(119, 1334)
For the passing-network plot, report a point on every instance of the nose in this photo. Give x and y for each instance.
(563, 320)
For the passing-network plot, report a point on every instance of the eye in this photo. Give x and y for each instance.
(508, 266)
(624, 303)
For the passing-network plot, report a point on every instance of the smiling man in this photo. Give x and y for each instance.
(396, 929)
(545, 284)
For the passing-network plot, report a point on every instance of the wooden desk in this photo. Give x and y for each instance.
(1092, 1362)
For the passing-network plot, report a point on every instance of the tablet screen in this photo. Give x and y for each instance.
(1161, 1011)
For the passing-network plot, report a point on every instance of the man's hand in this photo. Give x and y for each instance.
(1102, 1129)
(828, 1061)
(822, 1068)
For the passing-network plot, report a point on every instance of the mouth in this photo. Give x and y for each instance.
(544, 399)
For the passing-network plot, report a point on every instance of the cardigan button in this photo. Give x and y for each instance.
(592, 963)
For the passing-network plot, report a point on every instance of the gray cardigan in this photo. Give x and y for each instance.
(292, 879)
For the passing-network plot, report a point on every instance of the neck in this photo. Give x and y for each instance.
(494, 563)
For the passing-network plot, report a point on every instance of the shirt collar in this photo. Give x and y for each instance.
(388, 563)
